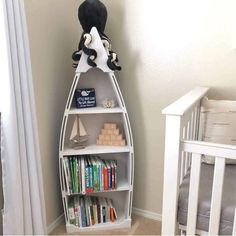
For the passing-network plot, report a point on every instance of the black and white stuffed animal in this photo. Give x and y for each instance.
(93, 13)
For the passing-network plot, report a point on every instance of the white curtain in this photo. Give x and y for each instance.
(24, 206)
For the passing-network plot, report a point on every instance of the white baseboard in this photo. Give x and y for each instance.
(55, 223)
(147, 214)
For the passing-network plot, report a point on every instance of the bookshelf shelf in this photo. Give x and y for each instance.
(121, 223)
(95, 110)
(118, 189)
(75, 164)
(95, 149)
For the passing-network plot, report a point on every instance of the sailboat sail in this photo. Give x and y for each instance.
(79, 136)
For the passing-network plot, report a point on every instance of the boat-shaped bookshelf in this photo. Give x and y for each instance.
(83, 127)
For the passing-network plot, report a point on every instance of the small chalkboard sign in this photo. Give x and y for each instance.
(85, 98)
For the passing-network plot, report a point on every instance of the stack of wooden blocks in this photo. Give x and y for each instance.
(110, 136)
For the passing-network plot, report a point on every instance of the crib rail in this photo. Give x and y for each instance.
(181, 123)
(221, 152)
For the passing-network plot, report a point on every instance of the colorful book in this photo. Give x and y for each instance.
(88, 213)
(83, 189)
(90, 175)
(109, 174)
(71, 211)
(76, 210)
(105, 176)
(95, 174)
(84, 222)
(87, 183)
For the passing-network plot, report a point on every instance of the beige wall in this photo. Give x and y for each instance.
(165, 48)
(53, 35)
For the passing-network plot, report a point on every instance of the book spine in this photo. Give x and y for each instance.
(112, 176)
(87, 212)
(76, 211)
(95, 176)
(91, 215)
(105, 173)
(91, 175)
(66, 174)
(71, 212)
(83, 174)
(76, 174)
(112, 215)
(98, 176)
(101, 172)
(87, 176)
(98, 210)
(116, 173)
(109, 176)
(83, 213)
(71, 174)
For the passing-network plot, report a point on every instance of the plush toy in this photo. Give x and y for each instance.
(93, 13)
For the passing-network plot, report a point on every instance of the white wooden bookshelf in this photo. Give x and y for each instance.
(104, 81)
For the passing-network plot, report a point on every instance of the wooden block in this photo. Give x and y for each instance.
(116, 132)
(99, 142)
(108, 126)
(101, 137)
(122, 143)
(116, 137)
(104, 131)
(113, 126)
(119, 137)
(105, 143)
(113, 137)
(107, 137)
(116, 143)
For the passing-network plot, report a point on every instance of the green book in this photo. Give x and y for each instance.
(71, 174)
(95, 175)
(71, 211)
(75, 179)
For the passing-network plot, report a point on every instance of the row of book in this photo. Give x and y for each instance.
(86, 174)
(86, 211)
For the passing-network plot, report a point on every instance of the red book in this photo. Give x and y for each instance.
(112, 215)
(105, 173)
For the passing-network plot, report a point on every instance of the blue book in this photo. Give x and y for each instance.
(109, 175)
(82, 212)
(90, 175)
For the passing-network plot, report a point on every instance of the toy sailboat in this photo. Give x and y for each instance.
(79, 136)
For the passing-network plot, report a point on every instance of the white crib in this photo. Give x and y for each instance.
(182, 150)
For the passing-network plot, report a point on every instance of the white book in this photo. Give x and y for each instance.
(83, 175)
(66, 173)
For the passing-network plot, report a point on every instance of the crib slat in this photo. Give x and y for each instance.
(193, 193)
(216, 198)
(187, 154)
(234, 226)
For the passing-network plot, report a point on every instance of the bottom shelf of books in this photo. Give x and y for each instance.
(97, 211)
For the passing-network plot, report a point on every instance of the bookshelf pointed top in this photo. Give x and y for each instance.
(102, 56)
